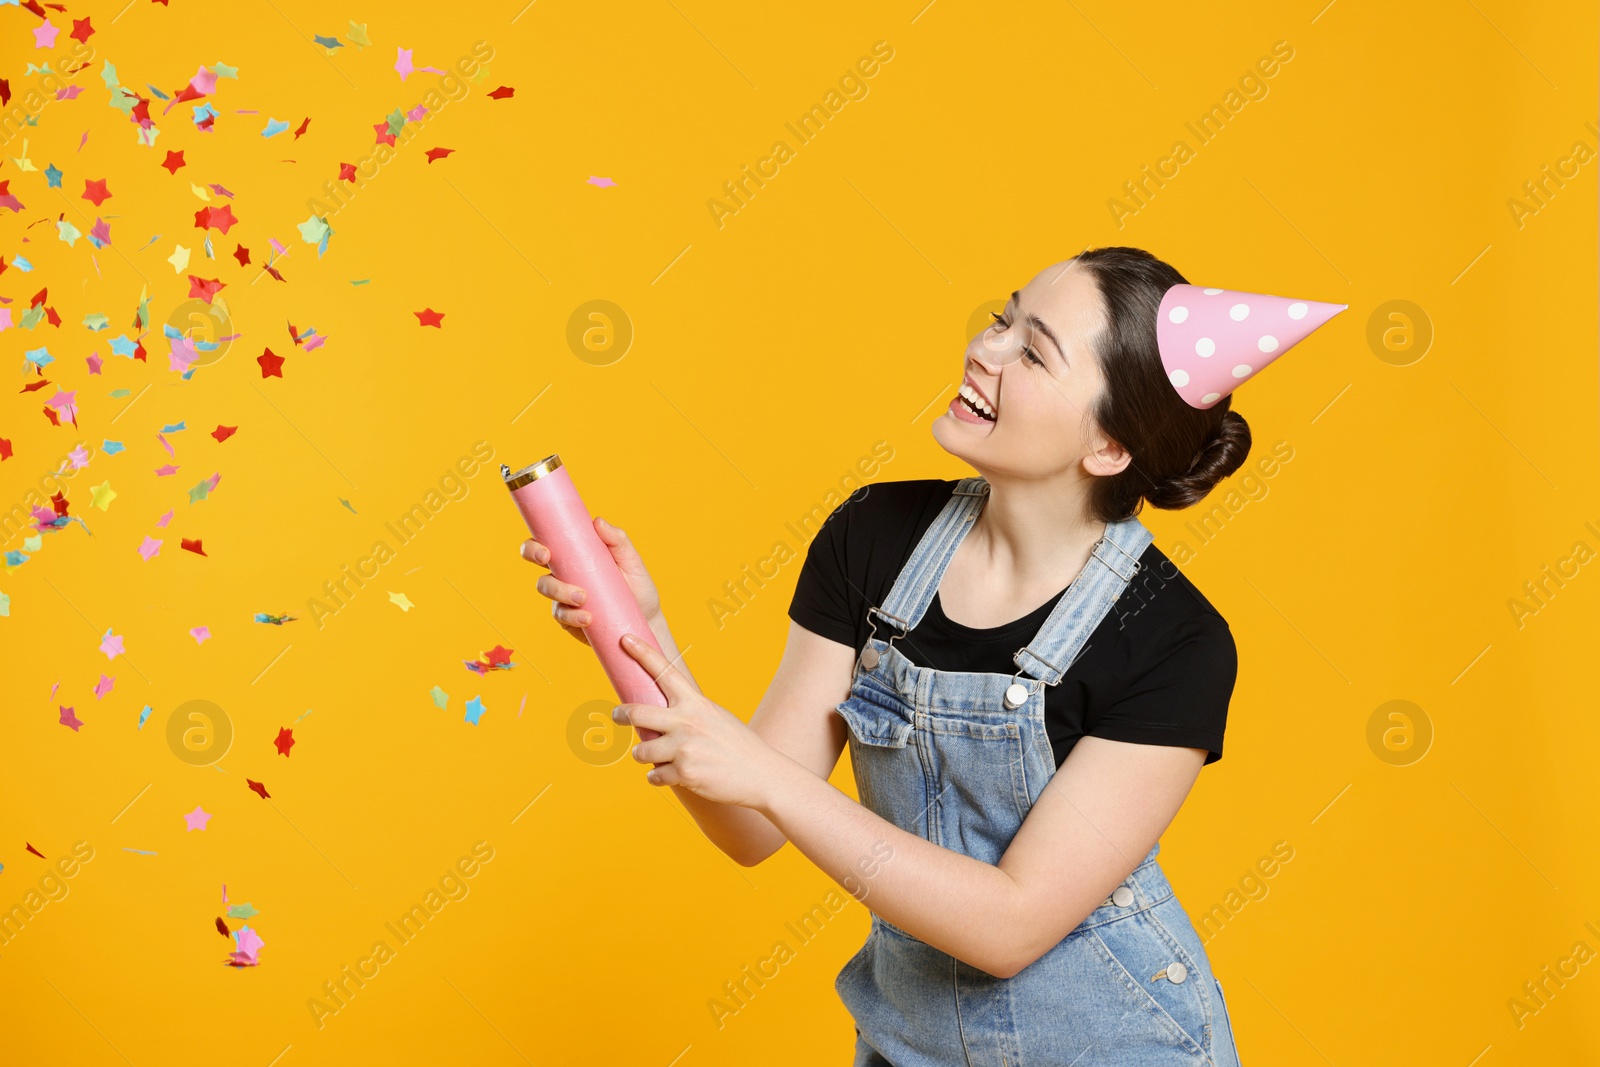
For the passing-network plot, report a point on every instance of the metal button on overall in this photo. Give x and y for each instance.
(1016, 696)
(1122, 896)
(869, 659)
(1176, 973)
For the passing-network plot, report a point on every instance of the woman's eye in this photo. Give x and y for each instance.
(1003, 324)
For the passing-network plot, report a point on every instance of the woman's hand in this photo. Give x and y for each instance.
(569, 598)
(703, 747)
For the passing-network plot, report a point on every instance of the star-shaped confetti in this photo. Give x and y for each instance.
(429, 317)
(191, 545)
(196, 819)
(257, 787)
(173, 161)
(502, 93)
(200, 634)
(111, 645)
(271, 365)
(70, 718)
(103, 686)
(96, 192)
(284, 741)
(438, 153)
(475, 710)
(45, 36)
(402, 601)
(103, 495)
(440, 697)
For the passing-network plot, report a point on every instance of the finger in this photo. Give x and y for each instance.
(575, 618)
(614, 537)
(644, 716)
(671, 681)
(534, 552)
(656, 750)
(554, 588)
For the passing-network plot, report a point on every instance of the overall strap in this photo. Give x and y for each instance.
(1112, 565)
(919, 579)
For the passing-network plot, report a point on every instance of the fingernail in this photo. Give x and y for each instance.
(629, 640)
(578, 597)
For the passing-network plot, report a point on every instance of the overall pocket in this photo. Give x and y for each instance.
(1145, 960)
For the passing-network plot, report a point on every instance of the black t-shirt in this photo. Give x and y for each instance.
(1159, 669)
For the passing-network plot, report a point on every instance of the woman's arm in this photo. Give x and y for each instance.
(1095, 821)
(796, 718)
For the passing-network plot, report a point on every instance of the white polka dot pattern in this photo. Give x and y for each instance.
(1248, 330)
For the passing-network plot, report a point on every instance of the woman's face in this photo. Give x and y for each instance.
(1036, 372)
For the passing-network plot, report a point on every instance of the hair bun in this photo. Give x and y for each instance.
(1223, 454)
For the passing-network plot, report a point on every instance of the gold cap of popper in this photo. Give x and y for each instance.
(528, 474)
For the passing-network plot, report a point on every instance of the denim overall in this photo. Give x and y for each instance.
(941, 756)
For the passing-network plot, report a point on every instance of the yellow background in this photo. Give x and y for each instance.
(769, 356)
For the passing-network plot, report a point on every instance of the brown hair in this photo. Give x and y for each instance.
(1179, 453)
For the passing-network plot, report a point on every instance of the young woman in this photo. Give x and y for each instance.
(1027, 685)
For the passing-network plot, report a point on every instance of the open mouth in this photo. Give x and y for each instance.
(975, 403)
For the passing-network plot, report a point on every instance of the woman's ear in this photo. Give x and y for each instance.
(1106, 458)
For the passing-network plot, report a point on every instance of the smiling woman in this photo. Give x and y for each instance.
(1017, 746)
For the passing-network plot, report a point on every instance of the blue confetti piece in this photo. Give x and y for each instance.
(202, 112)
(174, 427)
(140, 851)
(120, 345)
(14, 558)
(111, 448)
(274, 127)
(53, 176)
(327, 42)
(158, 92)
(21, 264)
(143, 715)
(40, 356)
(475, 710)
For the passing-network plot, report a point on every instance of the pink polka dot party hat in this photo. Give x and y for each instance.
(1214, 340)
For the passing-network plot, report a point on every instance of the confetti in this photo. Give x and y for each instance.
(284, 741)
(196, 819)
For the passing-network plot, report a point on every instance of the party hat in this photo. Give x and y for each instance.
(1214, 340)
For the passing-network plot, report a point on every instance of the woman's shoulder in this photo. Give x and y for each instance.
(1162, 599)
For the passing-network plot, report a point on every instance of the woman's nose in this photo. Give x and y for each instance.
(995, 348)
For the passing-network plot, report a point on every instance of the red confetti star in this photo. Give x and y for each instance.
(50, 413)
(502, 93)
(5, 92)
(222, 433)
(173, 161)
(257, 787)
(302, 129)
(5, 449)
(284, 741)
(384, 136)
(215, 218)
(347, 172)
(242, 254)
(204, 288)
(81, 30)
(222, 927)
(191, 545)
(35, 851)
(270, 269)
(96, 192)
(271, 365)
(438, 153)
(429, 317)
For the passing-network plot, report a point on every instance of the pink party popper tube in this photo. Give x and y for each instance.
(557, 518)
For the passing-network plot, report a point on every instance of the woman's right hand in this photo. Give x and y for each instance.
(567, 599)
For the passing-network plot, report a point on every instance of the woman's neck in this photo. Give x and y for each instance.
(1033, 534)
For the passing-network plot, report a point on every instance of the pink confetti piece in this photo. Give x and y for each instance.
(151, 547)
(103, 686)
(200, 635)
(163, 520)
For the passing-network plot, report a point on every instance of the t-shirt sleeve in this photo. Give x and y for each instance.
(1183, 698)
(824, 601)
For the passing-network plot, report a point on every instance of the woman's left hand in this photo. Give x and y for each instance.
(703, 747)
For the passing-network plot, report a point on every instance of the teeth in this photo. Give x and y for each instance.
(977, 401)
